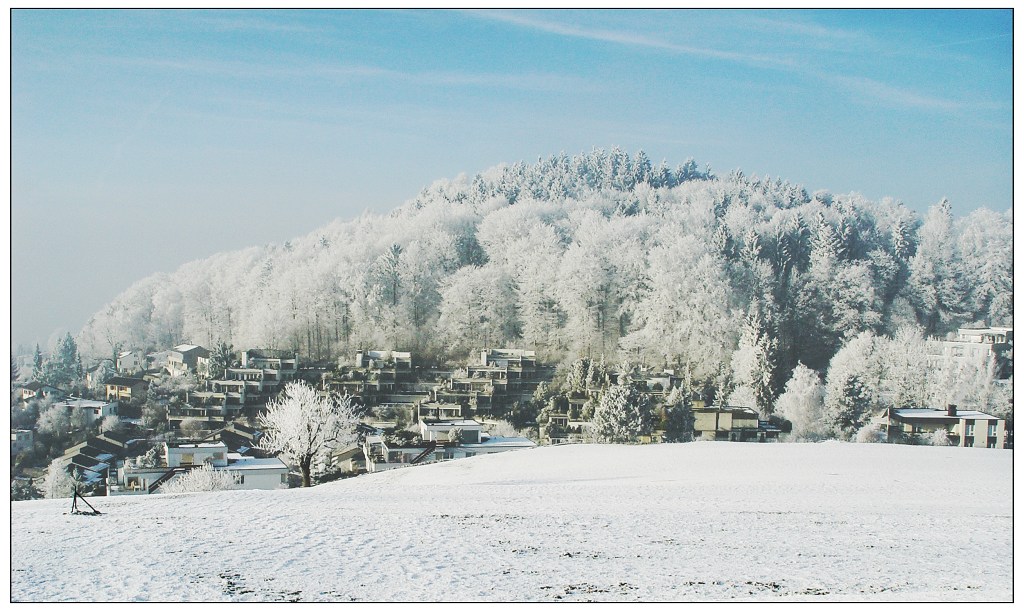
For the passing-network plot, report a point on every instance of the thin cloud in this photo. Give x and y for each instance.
(806, 28)
(248, 24)
(858, 85)
(893, 95)
(529, 81)
(630, 39)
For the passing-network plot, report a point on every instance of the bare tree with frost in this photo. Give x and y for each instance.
(305, 426)
(202, 479)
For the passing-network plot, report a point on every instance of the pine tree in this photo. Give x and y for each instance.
(802, 404)
(622, 415)
(37, 365)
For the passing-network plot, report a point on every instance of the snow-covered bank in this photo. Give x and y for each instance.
(699, 521)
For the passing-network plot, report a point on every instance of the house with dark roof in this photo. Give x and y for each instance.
(120, 388)
(38, 390)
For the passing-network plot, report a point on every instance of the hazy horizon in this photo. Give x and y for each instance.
(141, 140)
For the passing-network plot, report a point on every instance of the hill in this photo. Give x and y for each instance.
(600, 253)
(674, 522)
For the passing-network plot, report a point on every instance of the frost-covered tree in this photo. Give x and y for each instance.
(936, 281)
(58, 483)
(64, 367)
(110, 423)
(851, 386)
(54, 420)
(103, 372)
(304, 426)
(753, 366)
(622, 415)
(803, 404)
(201, 479)
(985, 244)
(37, 365)
(870, 433)
(939, 437)
(221, 357)
(906, 375)
(677, 416)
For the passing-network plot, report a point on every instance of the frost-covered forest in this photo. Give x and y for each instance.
(735, 279)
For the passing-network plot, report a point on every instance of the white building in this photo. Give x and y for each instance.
(188, 358)
(94, 410)
(441, 430)
(130, 361)
(248, 473)
(437, 445)
(975, 348)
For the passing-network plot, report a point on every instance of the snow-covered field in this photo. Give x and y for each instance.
(688, 522)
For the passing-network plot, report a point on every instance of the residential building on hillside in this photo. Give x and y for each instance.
(188, 358)
(130, 361)
(974, 346)
(21, 441)
(38, 390)
(93, 410)
(249, 473)
(964, 428)
(120, 388)
(435, 444)
(730, 423)
(92, 373)
(240, 390)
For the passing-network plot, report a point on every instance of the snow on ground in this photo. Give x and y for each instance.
(677, 522)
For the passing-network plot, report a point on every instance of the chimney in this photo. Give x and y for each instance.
(951, 410)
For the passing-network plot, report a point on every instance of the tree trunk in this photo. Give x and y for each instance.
(304, 464)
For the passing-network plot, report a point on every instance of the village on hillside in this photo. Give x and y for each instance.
(134, 424)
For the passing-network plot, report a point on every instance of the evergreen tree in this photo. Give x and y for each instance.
(622, 415)
(677, 416)
(221, 358)
(37, 365)
(802, 404)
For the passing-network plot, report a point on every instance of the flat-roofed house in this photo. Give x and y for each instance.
(729, 423)
(964, 428)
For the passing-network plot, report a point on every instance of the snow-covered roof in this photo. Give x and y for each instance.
(237, 462)
(218, 444)
(185, 347)
(83, 403)
(917, 413)
(447, 424)
(502, 442)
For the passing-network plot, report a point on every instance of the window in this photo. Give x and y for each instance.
(992, 426)
(186, 459)
(284, 478)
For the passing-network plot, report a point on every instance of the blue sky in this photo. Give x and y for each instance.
(141, 140)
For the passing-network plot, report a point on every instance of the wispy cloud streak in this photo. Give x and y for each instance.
(862, 86)
(631, 39)
(527, 81)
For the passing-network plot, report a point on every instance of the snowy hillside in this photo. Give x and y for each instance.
(686, 522)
